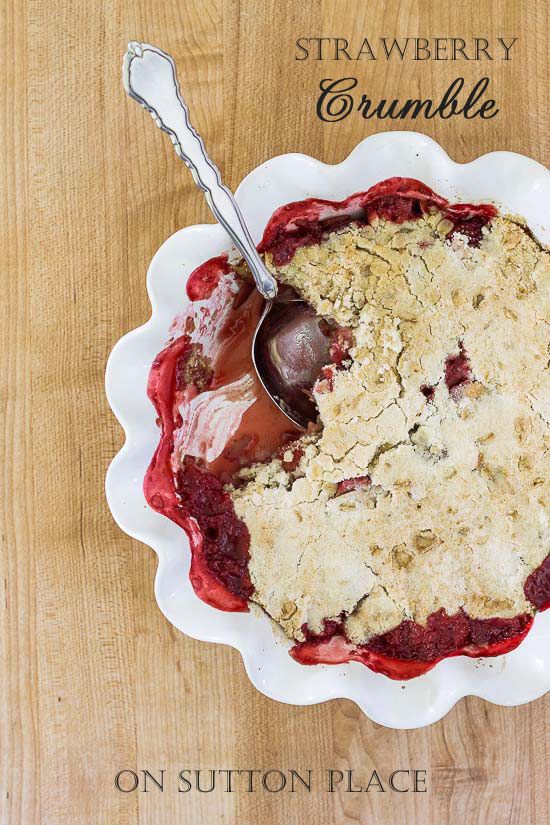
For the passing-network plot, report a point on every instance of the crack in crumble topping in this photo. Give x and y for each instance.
(442, 415)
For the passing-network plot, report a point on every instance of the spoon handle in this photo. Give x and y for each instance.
(149, 76)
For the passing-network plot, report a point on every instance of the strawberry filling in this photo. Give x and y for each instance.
(457, 372)
(213, 352)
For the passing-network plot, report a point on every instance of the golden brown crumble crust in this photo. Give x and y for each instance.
(456, 514)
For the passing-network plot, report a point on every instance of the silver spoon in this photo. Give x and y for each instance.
(289, 347)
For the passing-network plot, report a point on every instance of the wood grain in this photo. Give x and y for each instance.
(94, 679)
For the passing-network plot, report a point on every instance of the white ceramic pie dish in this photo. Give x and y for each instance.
(517, 185)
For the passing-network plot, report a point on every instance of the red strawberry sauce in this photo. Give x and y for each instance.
(209, 352)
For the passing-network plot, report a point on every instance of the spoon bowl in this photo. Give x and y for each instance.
(289, 350)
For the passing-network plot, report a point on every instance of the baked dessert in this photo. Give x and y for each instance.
(412, 522)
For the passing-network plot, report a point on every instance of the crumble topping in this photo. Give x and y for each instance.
(441, 415)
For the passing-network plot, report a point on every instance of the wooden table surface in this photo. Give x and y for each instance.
(94, 679)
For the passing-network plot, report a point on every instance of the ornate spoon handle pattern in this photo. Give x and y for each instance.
(149, 77)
